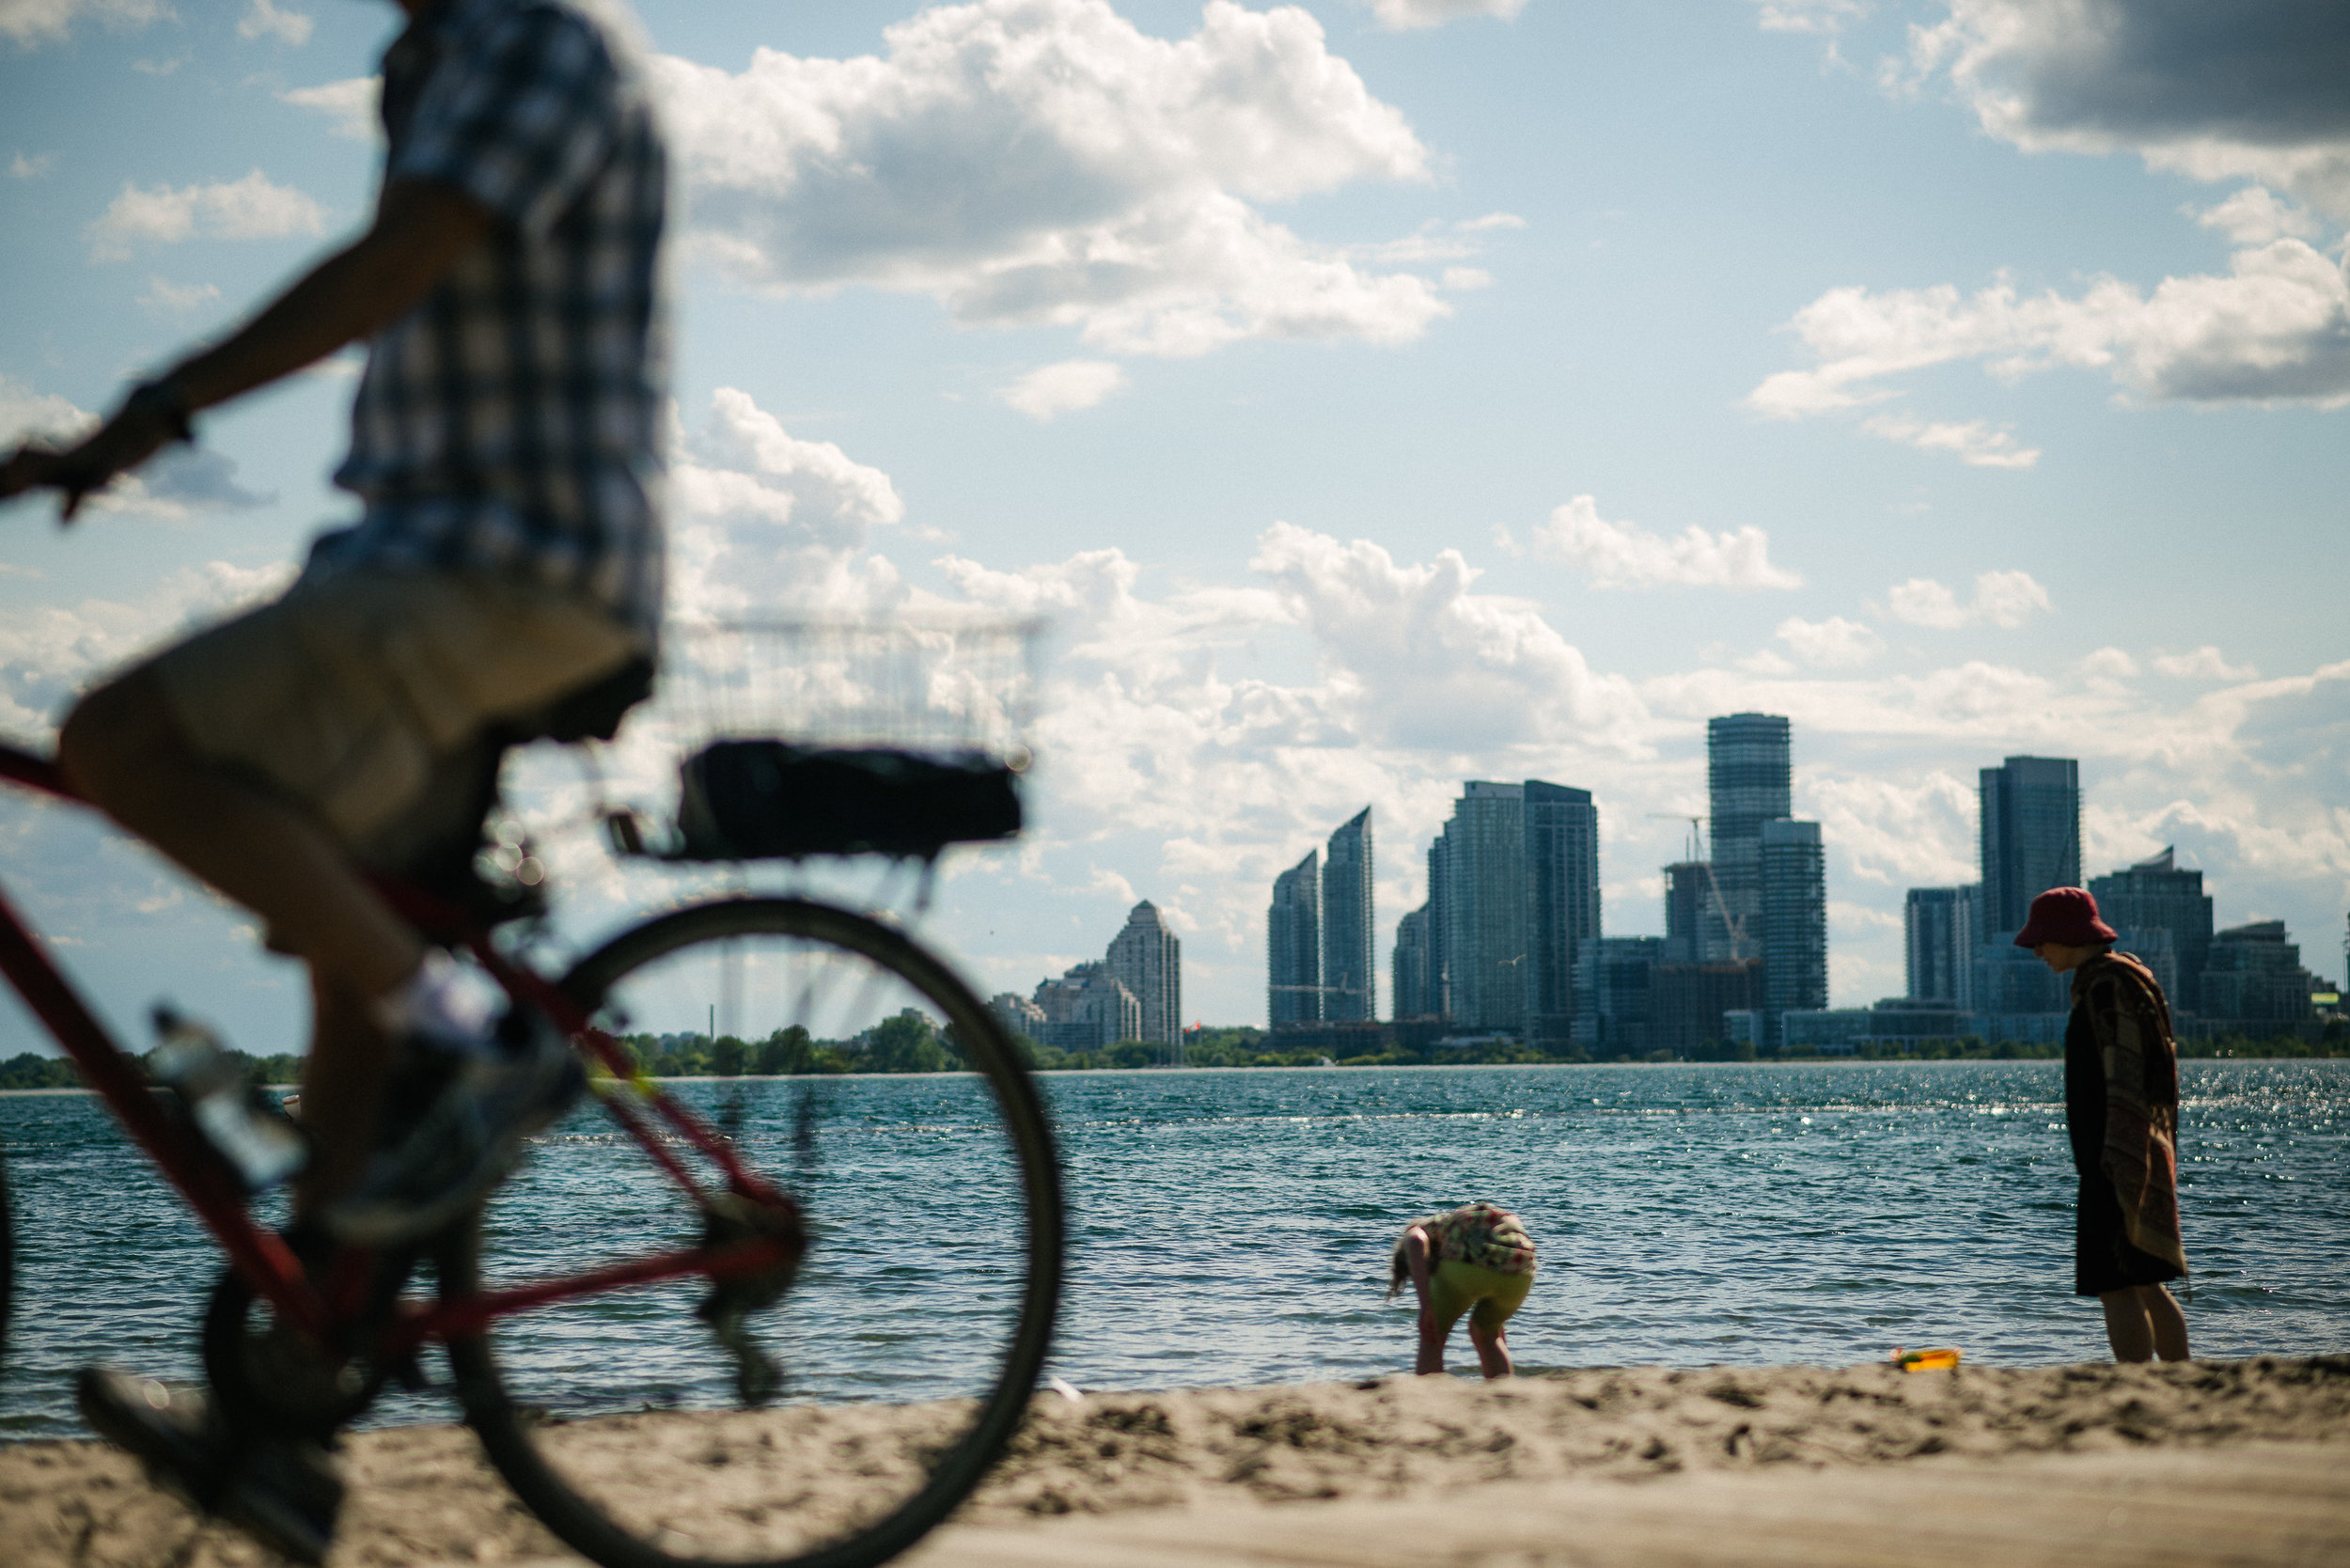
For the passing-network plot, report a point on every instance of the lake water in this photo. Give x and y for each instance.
(1233, 1227)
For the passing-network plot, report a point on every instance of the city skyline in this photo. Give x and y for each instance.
(1429, 432)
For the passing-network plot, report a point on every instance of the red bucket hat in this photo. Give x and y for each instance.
(2066, 915)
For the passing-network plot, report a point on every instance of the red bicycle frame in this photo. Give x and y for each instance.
(261, 1257)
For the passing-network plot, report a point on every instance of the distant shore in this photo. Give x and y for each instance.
(281, 1071)
(422, 1496)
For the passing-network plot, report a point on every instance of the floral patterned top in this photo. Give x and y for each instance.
(1485, 1235)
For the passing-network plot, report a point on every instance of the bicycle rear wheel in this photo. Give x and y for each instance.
(910, 1342)
(8, 1256)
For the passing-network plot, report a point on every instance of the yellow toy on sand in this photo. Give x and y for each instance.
(1925, 1360)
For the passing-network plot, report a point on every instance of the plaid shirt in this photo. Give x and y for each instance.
(509, 422)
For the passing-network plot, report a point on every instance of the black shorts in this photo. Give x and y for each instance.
(2103, 1258)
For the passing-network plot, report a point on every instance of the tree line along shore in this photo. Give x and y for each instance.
(912, 1043)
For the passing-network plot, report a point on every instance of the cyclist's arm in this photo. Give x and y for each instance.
(421, 228)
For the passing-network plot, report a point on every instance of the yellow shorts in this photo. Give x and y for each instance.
(343, 695)
(1455, 1287)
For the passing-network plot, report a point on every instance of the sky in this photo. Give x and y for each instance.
(1372, 395)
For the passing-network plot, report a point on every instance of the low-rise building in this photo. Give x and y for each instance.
(2253, 979)
(1087, 1009)
(1688, 1003)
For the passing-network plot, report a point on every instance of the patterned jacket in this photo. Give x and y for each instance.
(2119, 1000)
(1485, 1235)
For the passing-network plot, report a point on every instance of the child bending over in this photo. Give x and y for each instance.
(1477, 1257)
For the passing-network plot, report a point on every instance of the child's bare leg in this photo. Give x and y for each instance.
(2167, 1323)
(1492, 1348)
(1431, 1340)
(2126, 1327)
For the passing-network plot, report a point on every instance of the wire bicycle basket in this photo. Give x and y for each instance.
(806, 737)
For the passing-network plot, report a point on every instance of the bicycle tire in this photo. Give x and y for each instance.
(511, 1430)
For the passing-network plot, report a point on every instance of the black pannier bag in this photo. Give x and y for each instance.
(761, 800)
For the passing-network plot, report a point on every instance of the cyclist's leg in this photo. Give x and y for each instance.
(125, 749)
(342, 1087)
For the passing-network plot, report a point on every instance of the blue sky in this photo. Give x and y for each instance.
(1375, 395)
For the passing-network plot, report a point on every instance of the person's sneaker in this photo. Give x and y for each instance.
(285, 1494)
(440, 1161)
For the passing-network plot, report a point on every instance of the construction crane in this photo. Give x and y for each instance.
(1733, 924)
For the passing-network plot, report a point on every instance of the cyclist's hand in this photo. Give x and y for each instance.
(140, 428)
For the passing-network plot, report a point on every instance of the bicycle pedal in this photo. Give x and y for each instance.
(409, 1373)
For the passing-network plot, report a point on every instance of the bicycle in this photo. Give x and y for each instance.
(559, 1371)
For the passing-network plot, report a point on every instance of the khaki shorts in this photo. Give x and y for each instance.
(1455, 1287)
(343, 696)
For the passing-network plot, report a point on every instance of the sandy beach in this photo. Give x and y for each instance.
(2238, 1462)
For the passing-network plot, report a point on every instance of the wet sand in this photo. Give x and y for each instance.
(2223, 1462)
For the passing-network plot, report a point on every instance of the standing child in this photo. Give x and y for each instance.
(1477, 1259)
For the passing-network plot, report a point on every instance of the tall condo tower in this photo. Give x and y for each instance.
(1794, 918)
(1486, 907)
(1409, 976)
(1293, 944)
(1148, 959)
(1349, 975)
(1749, 778)
(1439, 996)
(1562, 902)
(1939, 937)
(2154, 895)
(2031, 836)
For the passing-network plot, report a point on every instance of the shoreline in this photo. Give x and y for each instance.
(1334, 1066)
(1112, 1466)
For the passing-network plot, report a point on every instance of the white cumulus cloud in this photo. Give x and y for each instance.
(1403, 15)
(1045, 162)
(253, 207)
(1064, 389)
(26, 413)
(1973, 441)
(265, 21)
(27, 22)
(1625, 555)
(1835, 643)
(177, 298)
(349, 105)
(2275, 328)
(764, 519)
(1827, 17)
(2003, 598)
(2249, 90)
(2203, 664)
(2255, 216)
(2107, 665)
(1418, 657)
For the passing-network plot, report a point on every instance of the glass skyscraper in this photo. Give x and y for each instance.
(1940, 935)
(2031, 836)
(1486, 907)
(1349, 979)
(1794, 918)
(1562, 902)
(1409, 981)
(1749, 780)
(1294, 946)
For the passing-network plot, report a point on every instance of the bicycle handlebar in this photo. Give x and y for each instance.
(36, 773)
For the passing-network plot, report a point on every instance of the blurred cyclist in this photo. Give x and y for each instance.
(508, 556)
